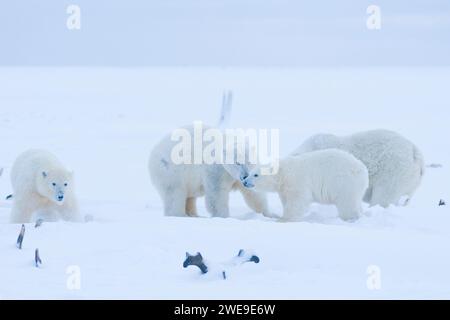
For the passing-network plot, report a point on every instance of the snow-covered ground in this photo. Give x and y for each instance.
(103, 123)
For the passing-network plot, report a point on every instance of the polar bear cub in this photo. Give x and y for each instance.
(396, 166)
(327, 177)
(41, 184)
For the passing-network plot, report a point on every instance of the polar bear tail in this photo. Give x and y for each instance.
(225, 113)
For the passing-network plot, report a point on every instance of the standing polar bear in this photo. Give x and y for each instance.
(42, 184)
(396, 166)
(179, 185)
(326, 177)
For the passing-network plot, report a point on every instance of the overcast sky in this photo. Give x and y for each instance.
(225, 33)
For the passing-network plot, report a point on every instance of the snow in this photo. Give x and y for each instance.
(103, 122)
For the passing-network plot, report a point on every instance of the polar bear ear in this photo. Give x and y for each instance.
(242, 170)
(44, 174)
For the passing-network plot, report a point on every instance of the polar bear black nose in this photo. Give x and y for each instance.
(60, 197)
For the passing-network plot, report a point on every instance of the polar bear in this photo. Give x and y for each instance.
(327, 177)
(396, 166)
(41, 184)
(179, 185)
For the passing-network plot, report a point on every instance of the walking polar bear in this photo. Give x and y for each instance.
(327, 177)
(42, 184)
(179, 185)
(396, 166)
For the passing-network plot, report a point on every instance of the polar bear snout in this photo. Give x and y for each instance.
(246, 181)
(60, 196)
(248, 184)
(57, 192)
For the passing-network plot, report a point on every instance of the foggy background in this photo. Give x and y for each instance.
(225, 33)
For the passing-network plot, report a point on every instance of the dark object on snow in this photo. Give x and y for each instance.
(227, 104)
(37, 258)
(39, 223)
(441, 203)
(9, 197)
(20, 238)
(197, 261)
(435, 166)
(252, 258)
(224, 275)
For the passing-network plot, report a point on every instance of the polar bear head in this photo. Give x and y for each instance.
(55, 184)
(251, 176)
(260, 178)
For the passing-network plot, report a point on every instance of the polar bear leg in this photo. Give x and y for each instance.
(348, 202)
(295, 206)
(217, 203)
(217, 187)
(21, 212)
(48, 215)
(384, 196)
(349, 210)
(368, 195)
(175, 203)
(191, 207)
(256, 201)
(70, 215)
(69, 211)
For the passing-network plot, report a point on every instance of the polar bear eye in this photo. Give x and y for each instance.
(65, 184)
(256, 175)
(54, 184)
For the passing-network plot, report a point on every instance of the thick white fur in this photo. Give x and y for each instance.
(32, 177)
(396, 166)
(179, 185)
(327, 177)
